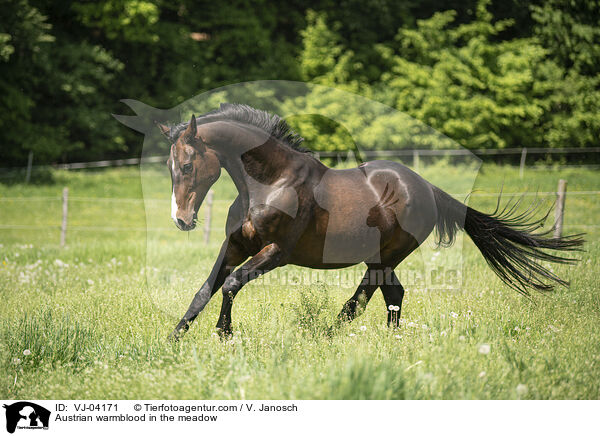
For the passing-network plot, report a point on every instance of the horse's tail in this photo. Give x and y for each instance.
(506, 240)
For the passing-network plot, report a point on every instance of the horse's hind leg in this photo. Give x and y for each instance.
(393, 293)
(372, 279)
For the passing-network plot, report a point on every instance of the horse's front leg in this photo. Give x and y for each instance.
(264, 261)
(229, 257)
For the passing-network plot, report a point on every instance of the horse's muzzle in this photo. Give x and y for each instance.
(186, 226)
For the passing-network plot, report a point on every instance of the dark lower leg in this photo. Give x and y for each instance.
(357, 304)
(200, 300)
(229, 257)
(393, 293)
(267, 259)
(224, 322)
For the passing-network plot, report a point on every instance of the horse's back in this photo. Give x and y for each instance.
(364, 211)
(352, 193)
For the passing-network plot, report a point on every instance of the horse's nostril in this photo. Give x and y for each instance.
(181, 223)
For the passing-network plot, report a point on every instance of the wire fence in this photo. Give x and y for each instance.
(415, 154)
(409, 156)
(71, 205)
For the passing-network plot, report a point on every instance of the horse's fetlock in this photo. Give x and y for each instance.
(231, 285)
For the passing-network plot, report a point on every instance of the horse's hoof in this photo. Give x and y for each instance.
(224, 334)
(173, 337)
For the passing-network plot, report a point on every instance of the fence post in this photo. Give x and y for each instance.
(65, 209)
(560, 207)
(416, 161)
(208, 216)
(29, 162)
(522, 164)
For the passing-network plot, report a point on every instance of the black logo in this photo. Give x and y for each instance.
(26, 415)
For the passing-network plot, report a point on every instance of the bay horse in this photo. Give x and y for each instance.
(293, 209)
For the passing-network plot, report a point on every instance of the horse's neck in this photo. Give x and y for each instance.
(254, 160)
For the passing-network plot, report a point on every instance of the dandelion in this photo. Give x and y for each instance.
(363, 328)
(454, 314)
(26, 352)
(522, 389)
(482, 374)
(484, 349)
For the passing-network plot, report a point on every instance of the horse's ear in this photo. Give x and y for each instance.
(165, 130)
(192, 128)
(191, 133)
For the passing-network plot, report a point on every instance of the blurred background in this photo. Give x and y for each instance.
(488, 74)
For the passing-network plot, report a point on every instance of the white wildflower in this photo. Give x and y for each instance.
(454, 314)
(484, 349)
(26, 352)
(352, 334)
(482, 374)
(363, 328)
(522, 389)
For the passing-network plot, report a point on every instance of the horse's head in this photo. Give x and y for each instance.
(194, 169)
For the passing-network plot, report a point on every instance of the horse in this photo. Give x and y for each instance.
(292, 209)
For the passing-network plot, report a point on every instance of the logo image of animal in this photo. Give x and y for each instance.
(26, 414)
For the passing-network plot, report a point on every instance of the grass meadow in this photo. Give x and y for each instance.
(90, 321)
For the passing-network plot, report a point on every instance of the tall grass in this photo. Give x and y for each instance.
(95, 315)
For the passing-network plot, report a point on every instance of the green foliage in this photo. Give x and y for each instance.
(130, 20)
(466, 81)
(569, 30)
(312, 309)
(486, 74)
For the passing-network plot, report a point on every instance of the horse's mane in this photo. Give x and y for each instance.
(272, 124)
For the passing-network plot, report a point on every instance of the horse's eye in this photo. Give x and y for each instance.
(187, 168)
